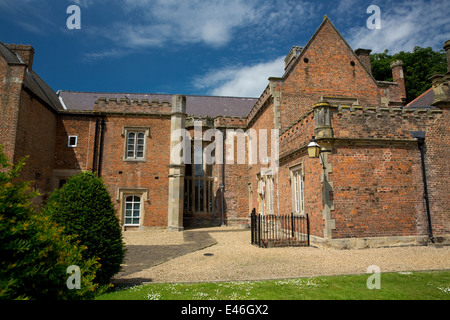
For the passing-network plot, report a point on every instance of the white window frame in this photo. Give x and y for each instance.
(137, 140)
(133, 204)
(140, 135)
(71, 145)
(298, 190)
(270, 195)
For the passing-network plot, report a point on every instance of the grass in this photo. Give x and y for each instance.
(433, 285)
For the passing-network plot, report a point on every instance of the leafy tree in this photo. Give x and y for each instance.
(84, 207)
(34, 251)
(418, 66)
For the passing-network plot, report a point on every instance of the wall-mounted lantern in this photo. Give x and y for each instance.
(315, 150)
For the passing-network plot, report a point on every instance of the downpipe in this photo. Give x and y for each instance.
(420, 137)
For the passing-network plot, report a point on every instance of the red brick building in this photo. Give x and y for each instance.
(368, 190)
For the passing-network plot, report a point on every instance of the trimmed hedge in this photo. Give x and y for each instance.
(84, 207)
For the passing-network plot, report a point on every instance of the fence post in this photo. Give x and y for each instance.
(307, 227)
(292, 223)
(258, 234)
(253, 225)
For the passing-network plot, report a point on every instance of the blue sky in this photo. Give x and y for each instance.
(214, 47)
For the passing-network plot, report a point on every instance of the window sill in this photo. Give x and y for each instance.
(299, 214)
(134, 160)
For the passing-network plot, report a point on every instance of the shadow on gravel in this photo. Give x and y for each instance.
(141, 257)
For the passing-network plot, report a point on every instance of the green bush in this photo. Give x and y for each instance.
(84, 207)
(34, 251)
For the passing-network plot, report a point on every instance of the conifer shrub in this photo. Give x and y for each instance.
(84, 207)
(35, 253)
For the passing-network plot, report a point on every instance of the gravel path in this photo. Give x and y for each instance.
(231, 257)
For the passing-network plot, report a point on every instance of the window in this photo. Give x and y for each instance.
(135, 143)
(72, 141)
(260, 190)
(132, 211)
(298, 191)
(269, 192)
(198, 184)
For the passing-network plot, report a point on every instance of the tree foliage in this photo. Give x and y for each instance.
(84, 207)
(418, 66)
(35, 253)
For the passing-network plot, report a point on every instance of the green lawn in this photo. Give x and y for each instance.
(433, 285)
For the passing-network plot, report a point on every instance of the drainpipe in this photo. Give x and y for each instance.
(222, 185)
(102, 137)
(420, 137)
(94, 160)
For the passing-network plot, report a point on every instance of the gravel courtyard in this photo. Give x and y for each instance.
(225, 254)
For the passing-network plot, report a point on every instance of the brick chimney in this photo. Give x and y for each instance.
(24, 52)
(399, 78)
(364, 57)
(447, 52)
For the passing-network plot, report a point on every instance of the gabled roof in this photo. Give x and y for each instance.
(424, 100)
(32, 82)
(325, 21)
(40, 89)
(9, 56)
(211, 106)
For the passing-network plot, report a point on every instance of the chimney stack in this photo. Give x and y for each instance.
(24, 52)
(447, 52)
(399, 78)
(364, 57)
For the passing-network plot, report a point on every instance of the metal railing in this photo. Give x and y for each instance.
(279, 230)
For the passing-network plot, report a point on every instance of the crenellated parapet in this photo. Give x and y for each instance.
(230, 122)
(353, 123)
(225, 122)
(129, 105)
(381, 111)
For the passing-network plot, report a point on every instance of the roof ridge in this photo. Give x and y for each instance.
(161, 94)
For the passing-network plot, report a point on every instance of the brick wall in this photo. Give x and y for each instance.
(312, 189)
(35, 137)
(11, 78)
(437, 155)
(81, 156)
(264, 120)
(377, 174)
(151, 174)
(377, 191)
(324, 69)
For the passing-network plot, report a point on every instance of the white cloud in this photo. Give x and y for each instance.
(405, 25)
(247, 81)
(195, 21)
(214, 23)
(114, 53)
(82, 3)
(148, 23)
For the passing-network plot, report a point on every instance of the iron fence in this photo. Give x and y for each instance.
(271, 230)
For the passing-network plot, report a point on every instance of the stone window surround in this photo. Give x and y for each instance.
(135, 129)
(292, 170)
(122, 193)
